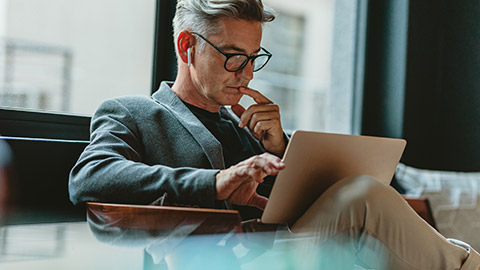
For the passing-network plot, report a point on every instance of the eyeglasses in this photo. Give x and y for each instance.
(237, 61)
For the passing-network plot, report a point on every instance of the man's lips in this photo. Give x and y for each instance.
(237, 88)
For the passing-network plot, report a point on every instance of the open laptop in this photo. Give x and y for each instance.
(315, 161)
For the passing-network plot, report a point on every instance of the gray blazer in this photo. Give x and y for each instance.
(141, 147)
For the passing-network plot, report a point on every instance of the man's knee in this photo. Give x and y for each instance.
(365, 197)
(342, 208)
(348, 203)
(359, 189)
(362, 196)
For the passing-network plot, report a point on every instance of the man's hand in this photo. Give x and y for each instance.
(238, 184)
(263, 121)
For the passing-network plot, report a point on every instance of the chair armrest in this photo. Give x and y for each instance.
(422, 207)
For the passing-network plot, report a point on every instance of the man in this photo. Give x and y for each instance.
(183, 142)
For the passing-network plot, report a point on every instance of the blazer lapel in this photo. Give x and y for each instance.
(210, 145)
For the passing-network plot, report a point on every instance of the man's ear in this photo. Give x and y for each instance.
(185, 43)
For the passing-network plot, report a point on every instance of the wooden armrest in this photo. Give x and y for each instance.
(162, 218)
(423, 209)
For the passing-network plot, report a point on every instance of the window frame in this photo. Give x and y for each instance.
(17, 122)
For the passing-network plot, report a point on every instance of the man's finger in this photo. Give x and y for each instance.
(238, 110)
(262, 117)
(249, 173)
(256, 110)
(264, 161)
(274, 160)
(256, 95)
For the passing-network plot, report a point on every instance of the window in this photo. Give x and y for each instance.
(68, 56)
(311, 73)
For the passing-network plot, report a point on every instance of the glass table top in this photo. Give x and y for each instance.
(139, 239)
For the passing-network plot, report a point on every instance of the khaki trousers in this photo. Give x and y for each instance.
(369, 219)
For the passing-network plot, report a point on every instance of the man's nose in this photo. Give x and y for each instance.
(246, 72)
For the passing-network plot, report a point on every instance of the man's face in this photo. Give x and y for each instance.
(216, 85)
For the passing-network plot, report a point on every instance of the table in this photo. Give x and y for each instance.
(103, 242)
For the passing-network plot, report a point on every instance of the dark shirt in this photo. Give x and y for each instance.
(236, 147)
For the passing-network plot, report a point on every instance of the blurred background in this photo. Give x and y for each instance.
(402, 69)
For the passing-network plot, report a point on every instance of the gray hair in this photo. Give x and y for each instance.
(202, 16)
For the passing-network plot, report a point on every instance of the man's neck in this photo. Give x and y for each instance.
(185, 90)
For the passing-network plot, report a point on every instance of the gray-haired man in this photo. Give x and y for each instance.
(184, 142)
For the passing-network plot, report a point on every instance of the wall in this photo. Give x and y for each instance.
(442, 87)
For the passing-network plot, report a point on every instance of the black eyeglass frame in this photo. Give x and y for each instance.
(230, 55)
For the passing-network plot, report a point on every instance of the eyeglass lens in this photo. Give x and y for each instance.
(236, 62)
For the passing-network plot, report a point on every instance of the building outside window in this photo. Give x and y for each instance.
(311, 74)
(65, 55)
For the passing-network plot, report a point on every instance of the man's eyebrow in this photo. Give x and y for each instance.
(237, 49)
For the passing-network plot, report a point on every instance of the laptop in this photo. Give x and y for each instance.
(315, 161)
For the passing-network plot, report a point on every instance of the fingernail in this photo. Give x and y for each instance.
(240, 124)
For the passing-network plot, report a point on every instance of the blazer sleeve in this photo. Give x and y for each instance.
(111, 168)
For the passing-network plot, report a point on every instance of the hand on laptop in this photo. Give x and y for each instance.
(263, 121)
(238, 183)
